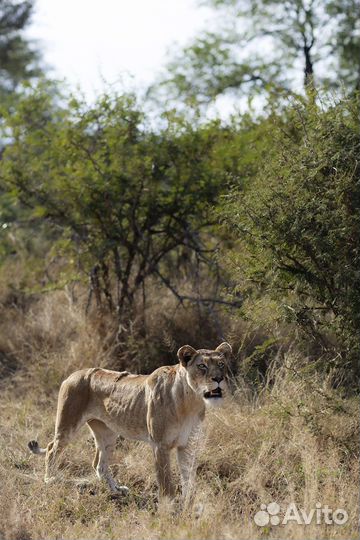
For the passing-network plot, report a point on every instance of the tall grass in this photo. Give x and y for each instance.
(292, 438)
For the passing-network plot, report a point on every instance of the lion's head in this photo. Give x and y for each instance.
(207, 371)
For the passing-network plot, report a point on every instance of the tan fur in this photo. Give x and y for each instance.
(162, 408)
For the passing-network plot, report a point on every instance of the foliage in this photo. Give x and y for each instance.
(267, 46)
(123, 196)
(298, 224)
(346, 39)
(19, 59)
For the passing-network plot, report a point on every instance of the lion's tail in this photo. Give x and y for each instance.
(35, 448)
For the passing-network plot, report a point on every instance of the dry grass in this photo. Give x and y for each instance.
(296, 441)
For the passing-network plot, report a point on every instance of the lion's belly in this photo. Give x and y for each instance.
(133, 434)
(123, 412)
(129, 416)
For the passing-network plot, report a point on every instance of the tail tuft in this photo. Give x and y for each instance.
(35, 448)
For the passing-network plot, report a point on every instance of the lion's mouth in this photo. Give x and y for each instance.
(217, 393)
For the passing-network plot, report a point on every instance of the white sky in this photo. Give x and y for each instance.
(86, 41)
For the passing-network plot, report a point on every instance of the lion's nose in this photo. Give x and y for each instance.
(217, 379)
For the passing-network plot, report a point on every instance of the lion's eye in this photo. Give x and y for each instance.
(221, 364)
(202, 366)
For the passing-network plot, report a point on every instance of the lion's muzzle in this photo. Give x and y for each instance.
(213, 394)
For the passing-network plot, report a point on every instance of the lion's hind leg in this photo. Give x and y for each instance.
(51, 452)
(105, 441)
(71, 414)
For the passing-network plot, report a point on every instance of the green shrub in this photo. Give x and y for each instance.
(297, 225)
(122, 196)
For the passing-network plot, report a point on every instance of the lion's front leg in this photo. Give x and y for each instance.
(187, 460)
(163, 471)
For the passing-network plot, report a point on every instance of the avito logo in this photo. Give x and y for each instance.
(269, 514)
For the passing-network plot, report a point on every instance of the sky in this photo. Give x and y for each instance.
(89, 41)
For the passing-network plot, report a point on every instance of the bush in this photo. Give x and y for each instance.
(122, 196)
(297, 224)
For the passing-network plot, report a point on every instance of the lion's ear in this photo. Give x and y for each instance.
(185, 354)
(225, 349)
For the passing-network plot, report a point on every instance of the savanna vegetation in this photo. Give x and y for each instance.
(122, 238)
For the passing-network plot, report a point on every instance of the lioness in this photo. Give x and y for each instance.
(162, 408)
